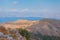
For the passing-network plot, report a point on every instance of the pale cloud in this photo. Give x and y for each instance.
(30, 10)
(15, 10)
(20, 10)
(25, 10)
(15, 2)
(46, 13)
(0, 9)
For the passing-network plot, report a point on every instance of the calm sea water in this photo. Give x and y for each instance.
(7, 19)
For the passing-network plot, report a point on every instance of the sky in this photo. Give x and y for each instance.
(30, 8)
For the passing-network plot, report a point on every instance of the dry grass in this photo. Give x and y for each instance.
(3, 30)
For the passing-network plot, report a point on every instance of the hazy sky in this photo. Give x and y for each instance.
(30, 8)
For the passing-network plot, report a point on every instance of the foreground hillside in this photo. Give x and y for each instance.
(9, 30)
(46, 29)
(9, 34)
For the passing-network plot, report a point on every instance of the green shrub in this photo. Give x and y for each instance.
(24, 33)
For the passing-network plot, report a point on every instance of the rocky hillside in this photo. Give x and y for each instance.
(9, 34)
(46, 29)
(9, 29)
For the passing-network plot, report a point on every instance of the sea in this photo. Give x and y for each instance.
(8, 19)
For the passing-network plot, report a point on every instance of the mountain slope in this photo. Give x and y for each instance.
(46, 27)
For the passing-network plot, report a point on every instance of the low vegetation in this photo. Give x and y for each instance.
(24, 33)
(47, 37)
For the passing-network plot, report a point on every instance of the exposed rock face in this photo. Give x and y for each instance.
(9, 34)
